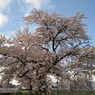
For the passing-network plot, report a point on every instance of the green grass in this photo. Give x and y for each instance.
(66, 92)
(59, 92)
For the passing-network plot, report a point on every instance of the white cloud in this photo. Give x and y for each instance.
(15, 82)
(4, 4)
(3, 20)
(36, 3)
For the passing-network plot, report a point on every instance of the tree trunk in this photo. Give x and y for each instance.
(30, 87)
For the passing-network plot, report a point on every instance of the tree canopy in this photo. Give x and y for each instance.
(59, 46)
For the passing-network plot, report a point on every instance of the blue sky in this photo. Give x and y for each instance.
(12, 12)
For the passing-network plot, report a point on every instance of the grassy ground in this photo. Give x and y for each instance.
(65, 92)
(60, 92)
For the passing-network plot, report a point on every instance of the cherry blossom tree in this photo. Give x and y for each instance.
(59, 46)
